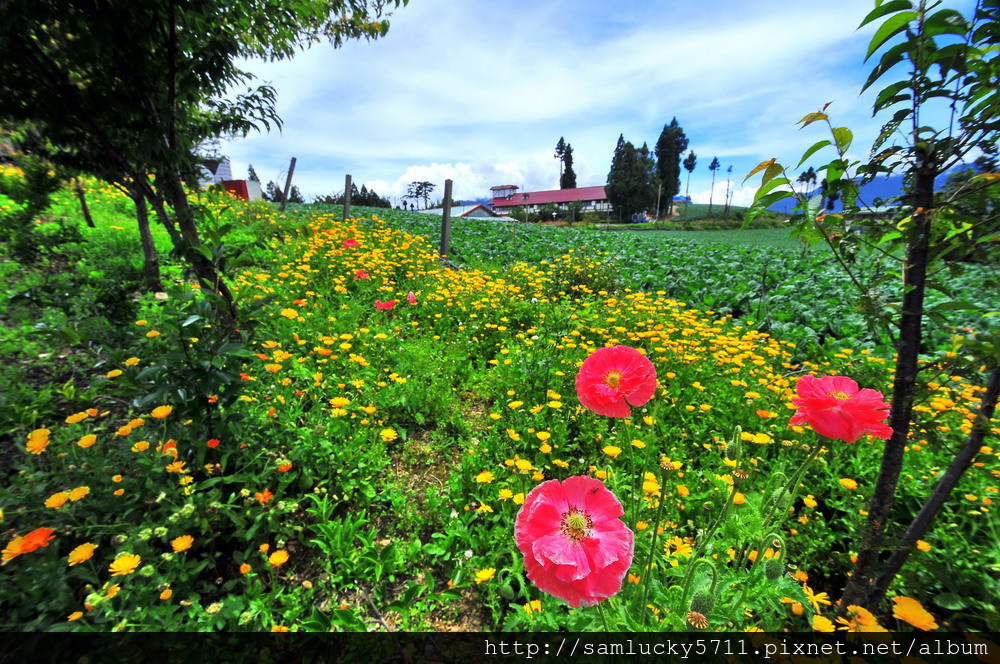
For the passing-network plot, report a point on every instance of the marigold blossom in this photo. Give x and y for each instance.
(278, 558)
(124, 564)
(911, 611)
(612, 379)
(161, 411)
(575, 545)
(182, 543)
(82, 553)
(835, 407)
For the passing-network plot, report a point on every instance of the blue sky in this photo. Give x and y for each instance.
(480, 92)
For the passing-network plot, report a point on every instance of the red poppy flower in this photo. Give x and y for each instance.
(411, 298)
(575, 545)
(350, 242)
(213, 442)
(385, 306)
(361, 274)
(835, 407)
(612, 378)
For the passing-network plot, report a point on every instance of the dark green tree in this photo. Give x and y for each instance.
(272, 192)
(669, 147)
(689, 163)
(420, 191)
(560, 154)
(714, 166)
(568, 178)
(252, 174)
(630, 187)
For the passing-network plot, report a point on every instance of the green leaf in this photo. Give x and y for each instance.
(892, 27)
(886, 8)
(819, 145)
(843, 137)
(770, 185)
(763, 203)
(889, 59)
(950, 601)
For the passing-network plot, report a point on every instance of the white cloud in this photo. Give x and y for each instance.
(480, 93)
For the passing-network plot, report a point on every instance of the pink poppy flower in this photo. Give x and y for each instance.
(350, 242)
(834, 407)
(612, 378)
(361, 274)
(411, 298)
(385, 306)
(575, 545)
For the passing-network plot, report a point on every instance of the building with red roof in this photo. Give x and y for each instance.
(506, 198)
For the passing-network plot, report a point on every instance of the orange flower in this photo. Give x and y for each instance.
(36, 538)
(81, 554)
(848, 483)
(76, 417)
(161, 411)
(79, 492)
(57, 500)
(182, 543)
(263, 497)
(244, 568)
(87, 441)
(213, 443)
(911, 611)
(166, 594)
(285, 467)
(38, 440)
(76, 615)
(278, 558)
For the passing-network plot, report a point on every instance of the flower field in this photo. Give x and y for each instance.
(357, 456)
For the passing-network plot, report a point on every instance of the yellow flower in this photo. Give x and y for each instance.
(76, 417)
(290, 314)
(175, 467)
(612, 451)
(166, 594)
(114, 373)
(739, 498)
(388, 435)
(485, 477)
(822, 624)
(684, 492)
(278, 558)
(141, 446)
(506, 494)
(182, 543)
(161, 411)
(57, 500)
(523, 465)
(340, 402)
(816, 598)
(848, 483)
(124, 564)
(38, 440)
(534, 606)
(82, 553)
(484, 575)
(152, 334)
(515, 436)
(112, 591)
(911, 611)
(518, 499)
(79, 492)
(543, 435)
(76, 615)
(923, 546)
(132, 361)
(87, 441)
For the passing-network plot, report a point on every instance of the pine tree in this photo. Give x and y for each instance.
(272, 193)
(714, 166)
(630, 187)
(689, 164)
(252, 175)
(669, 147)
(568, 178)
(560, 154)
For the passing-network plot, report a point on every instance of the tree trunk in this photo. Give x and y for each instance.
(191, 246)
(910, 336)
(945, 486)
(78, 188)
(150, 259)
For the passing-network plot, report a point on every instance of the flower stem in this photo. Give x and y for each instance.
(604, 620)
(647, 570)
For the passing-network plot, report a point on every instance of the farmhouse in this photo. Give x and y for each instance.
(506, 198)
(478, 211)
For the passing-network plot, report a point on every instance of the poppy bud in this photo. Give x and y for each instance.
(703, 602)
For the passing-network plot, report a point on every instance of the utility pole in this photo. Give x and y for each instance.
(347, 196)
(446, 219)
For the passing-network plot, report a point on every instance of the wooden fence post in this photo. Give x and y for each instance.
(288, 184)
(347, 196)
(446, 219)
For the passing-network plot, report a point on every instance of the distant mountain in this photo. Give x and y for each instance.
(884, 188)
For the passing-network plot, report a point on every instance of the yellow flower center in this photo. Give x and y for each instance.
(575, 524)
(613, 379)
(840, 396)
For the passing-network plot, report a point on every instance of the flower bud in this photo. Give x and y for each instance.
(703, 602)
(774, 568)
